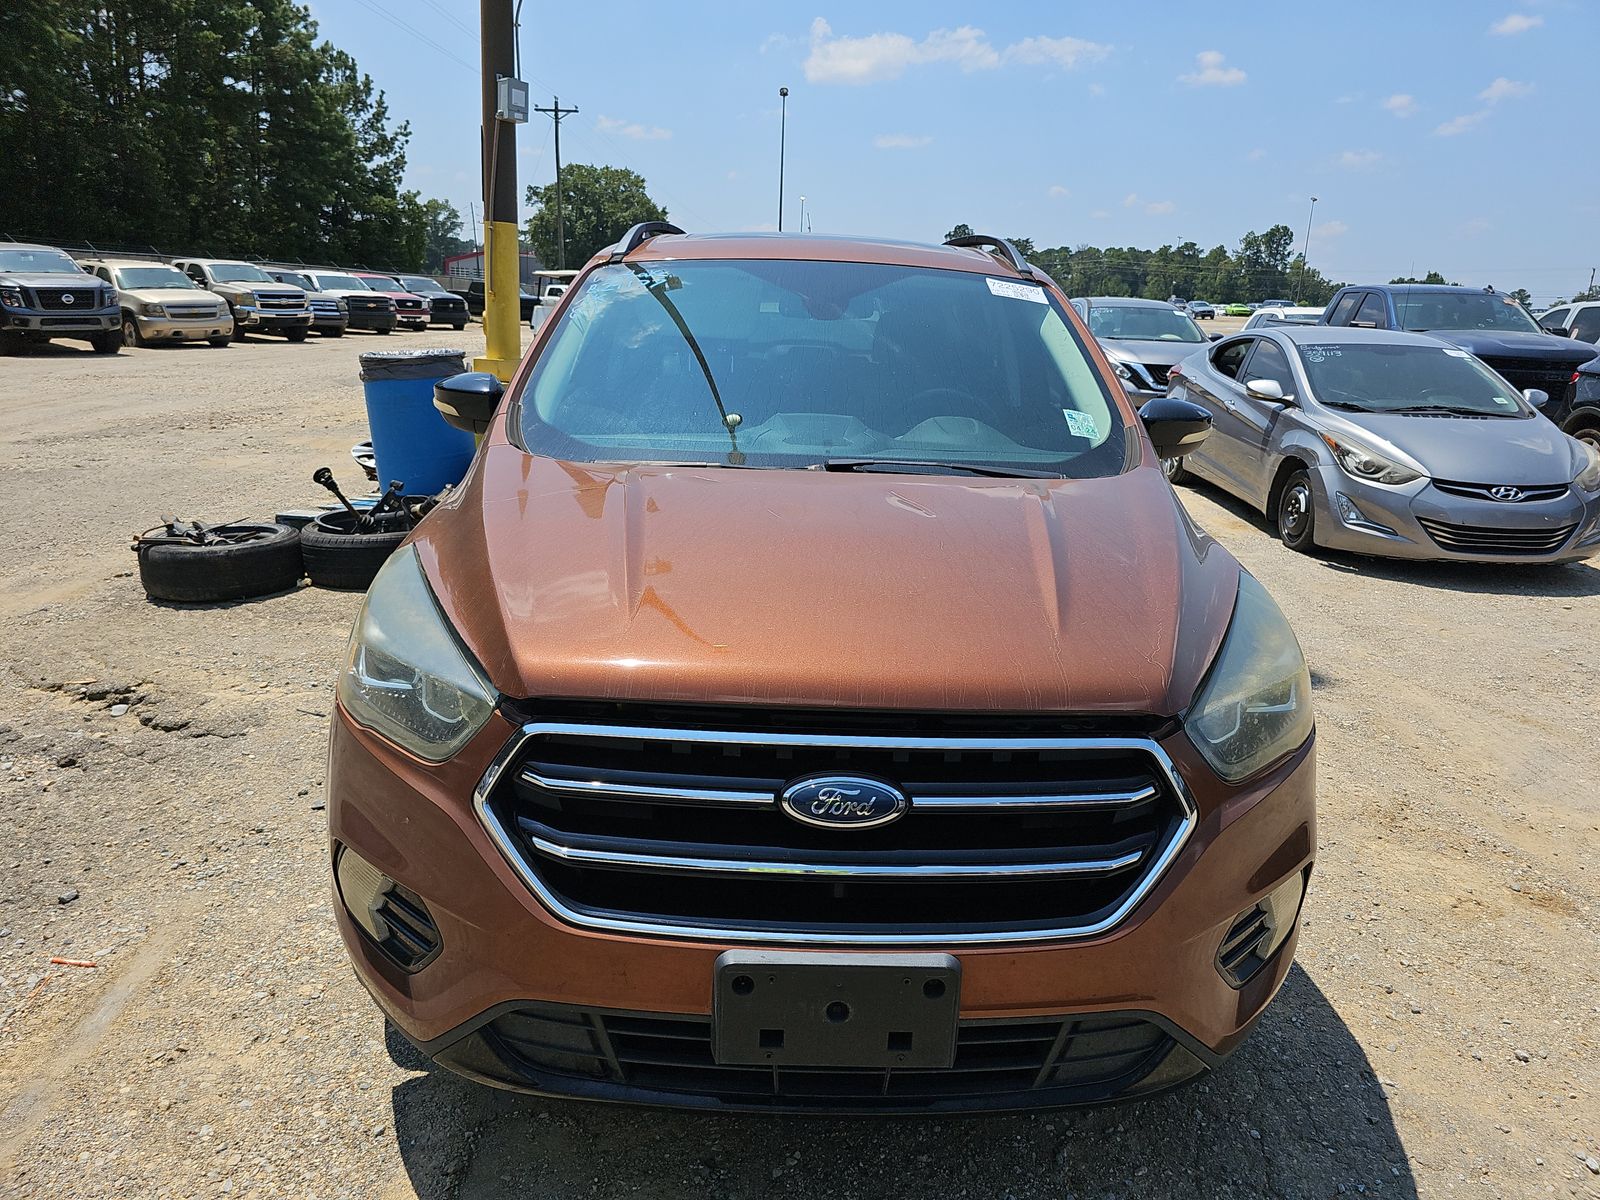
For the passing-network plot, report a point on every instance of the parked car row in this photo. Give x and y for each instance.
(1432, 422)
(115, 301)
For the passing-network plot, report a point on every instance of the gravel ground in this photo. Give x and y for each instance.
(161, 814)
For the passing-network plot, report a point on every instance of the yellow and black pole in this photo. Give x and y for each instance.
(505, 105)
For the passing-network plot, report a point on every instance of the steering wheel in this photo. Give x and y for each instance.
(966, 400)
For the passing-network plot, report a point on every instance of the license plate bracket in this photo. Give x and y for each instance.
(804, 1009)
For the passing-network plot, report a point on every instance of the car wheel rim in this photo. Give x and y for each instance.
(128, 337)
(1295, 511)
(1171, 466)
(1589, 437)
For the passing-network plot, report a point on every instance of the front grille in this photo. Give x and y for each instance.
(1057, 1060)
(409, 305)
(1158, 373)
(1483, 491)
(69, 322)
(454, 304)
(1524, 373)
(677, 829)
(1479, 539)
(369, 303)
(55, 299)
(325, 306)
(198, 312)
(280, 301)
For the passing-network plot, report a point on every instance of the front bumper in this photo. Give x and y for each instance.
(178, 329)
(372, 319)
(246, 317)
(39, 323)
(503, 957)
(321, 319)
(455, 317)
(1374, 519)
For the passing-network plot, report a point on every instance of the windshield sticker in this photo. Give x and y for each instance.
(1016, 291)
(1080, 424)
(1456, 353)
(1505, 401)
(1318, 354)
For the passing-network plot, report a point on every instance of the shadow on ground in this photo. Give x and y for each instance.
(1494, 579)
(1296, 1113)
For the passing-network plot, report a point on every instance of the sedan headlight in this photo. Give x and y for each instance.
(1589, 477)
(1368, 465)
(406, 677)
(153, 310)
(1255, 707)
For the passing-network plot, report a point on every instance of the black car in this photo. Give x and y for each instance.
(1481, 321)
(1580, 416)
(473, 294)
(448, 308)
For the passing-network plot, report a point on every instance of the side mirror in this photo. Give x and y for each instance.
(468, 401)
(1176, 427)
(1217, 337)
(1535, 397)
(1558, 332)
(1265, 389)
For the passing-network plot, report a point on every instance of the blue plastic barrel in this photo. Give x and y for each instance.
(410, 440)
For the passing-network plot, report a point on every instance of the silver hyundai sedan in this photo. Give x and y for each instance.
(1389, 443)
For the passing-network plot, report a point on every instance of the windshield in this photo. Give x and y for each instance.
(416, 283)
(348, 283)
(1154, 324)
(794, 364)
(239, 273)
(38, 262)
(1462, 310)
(152, 277)
(1389, 378)
(382, 283)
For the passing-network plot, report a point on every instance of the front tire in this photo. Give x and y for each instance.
(107, 343)
(1296, 518)
(131, 336)
(221, 340)
(295, 335)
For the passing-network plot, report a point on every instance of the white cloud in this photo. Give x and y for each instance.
(901, 141)
(1097, 89)
(1257, 154)
(1359, 160)
(1401, 104)
(1329, 230)
(1212, 73)
(1504, 89)
(1160, 208)
(1514, 23)
(875, 57)
(632, 129)
(1130, 200)
(1059, 192)
(1459, 125)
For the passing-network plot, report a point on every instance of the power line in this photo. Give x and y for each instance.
(416, 33)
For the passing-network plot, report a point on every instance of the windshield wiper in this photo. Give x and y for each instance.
(1457, 409)
(929, 465)
(1345, 404)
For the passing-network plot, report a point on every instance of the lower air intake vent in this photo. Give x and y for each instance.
(394, 917)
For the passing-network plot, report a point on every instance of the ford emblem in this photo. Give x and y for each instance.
(842, 802)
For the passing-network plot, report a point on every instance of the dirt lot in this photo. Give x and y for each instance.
(161, 793)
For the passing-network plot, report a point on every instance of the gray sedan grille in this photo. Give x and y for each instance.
(1478, 539)
(1486, 491)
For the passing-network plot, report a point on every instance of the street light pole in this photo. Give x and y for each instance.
(802, 214)
(1305, 251)
(783, 131)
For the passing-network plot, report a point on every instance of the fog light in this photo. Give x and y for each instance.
(1257, 932)
(394, 917)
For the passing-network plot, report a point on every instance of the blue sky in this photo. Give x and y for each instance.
(1445, 136)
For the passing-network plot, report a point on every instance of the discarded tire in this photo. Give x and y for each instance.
(244, 560)
(337, 557)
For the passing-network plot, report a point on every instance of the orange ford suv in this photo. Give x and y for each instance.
(815, 697)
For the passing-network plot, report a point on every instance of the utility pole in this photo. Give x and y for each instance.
(1305, 251)
(556, 112)
(783, 131)
(505, 105)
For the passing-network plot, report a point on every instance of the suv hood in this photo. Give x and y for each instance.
(1507, 343)
(805, 588)
(1492, 450)
(170, 295)
(52, 279)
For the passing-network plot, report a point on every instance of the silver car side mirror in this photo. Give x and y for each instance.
(1265, 389)
(1536, 397)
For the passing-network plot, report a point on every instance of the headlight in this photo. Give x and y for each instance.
(1589, 477)
(1360, 463)
(406, 677)
(1256, 705)
(152, 310)
(11, 296)
(341, 305)
(248, 298)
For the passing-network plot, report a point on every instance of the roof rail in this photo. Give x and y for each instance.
(1000, 248)
(637, 236)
